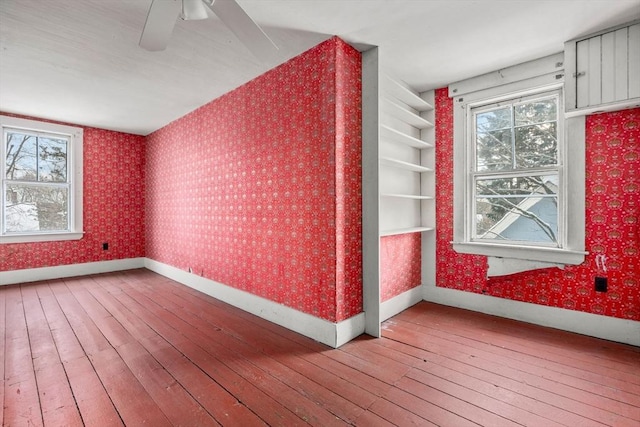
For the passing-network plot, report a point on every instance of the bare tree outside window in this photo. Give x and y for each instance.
(516, 177)
(36, 185)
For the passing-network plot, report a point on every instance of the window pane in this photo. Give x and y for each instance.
(21, 156)
(36, 208)
(540, 111)
(500, 118)
(517, 209)
(52, 165)
(536, 145)
(494, 150)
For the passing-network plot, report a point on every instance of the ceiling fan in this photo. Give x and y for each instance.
(163, 14)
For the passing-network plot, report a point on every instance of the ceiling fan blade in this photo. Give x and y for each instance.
(159, 25)
(247, 31)
(193, 10)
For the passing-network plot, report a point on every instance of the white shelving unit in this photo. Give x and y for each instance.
(407, 159)
(393, 135)
(390, 161)
(406, 114)
(408, 196)
(405, 231)
(398, 182)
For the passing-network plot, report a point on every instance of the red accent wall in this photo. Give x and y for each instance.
(612, 217)
(114, 188)
(400, 264)
(260, 189)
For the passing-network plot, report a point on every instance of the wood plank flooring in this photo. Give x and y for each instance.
(134, 348)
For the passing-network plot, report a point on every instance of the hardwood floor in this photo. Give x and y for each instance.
(134, 348)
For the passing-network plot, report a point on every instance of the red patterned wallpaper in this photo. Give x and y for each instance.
(612, 217)
(260, 189)
(348, 157)
(400, 264)
(113, 207)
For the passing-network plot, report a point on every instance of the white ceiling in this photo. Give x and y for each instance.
(78, 61)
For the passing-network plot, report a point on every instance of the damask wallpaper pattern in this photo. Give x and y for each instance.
(612, 230)
(114, 189)
(260, 189)
(400, 264)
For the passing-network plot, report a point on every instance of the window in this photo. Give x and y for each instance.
(515, 172)
(516, 195)
(41, 181)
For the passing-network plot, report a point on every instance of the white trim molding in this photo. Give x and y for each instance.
(59, 271)
(594, 325)
(540, 77)
(329, 333)
(399, 303)
(371, 190)
(337, 334)
(74, 181)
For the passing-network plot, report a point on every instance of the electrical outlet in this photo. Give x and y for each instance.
(105, 246)
(601, 284)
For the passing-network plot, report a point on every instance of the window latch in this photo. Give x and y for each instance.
(580, 74)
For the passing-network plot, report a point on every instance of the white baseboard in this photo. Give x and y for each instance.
(605, 327)
(49, 273)
(336, 334)
(400, 303)
(331, 334)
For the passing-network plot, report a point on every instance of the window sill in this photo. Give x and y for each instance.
(33, 238)
(531, 253)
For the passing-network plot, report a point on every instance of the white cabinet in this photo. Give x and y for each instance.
(406, 138)
(603, 70)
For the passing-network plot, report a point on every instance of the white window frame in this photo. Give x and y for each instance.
(75, 174)
(542, 75)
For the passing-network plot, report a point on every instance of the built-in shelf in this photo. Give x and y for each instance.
(404, 94)
(404, 165)
(404, 114)
(407, 196)
(406, 179)
(405, 209)
(405, 231)
(394, 135)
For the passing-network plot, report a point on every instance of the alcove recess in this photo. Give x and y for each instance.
(407, 159)
(407, 176)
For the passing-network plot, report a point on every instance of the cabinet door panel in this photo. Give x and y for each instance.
(622, 68)
(594, 74)
(608, 67)
(582, 66)
(603, 70)
(634, 61)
